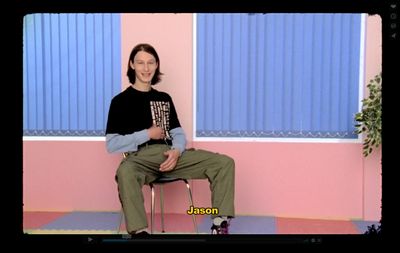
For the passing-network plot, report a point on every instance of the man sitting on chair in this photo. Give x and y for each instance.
(143, 123)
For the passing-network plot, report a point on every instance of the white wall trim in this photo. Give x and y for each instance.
(288, 140)
(194, 50)
(361, 78)
(63, 138)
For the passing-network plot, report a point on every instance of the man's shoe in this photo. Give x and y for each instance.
(140, 234)
(222, 229)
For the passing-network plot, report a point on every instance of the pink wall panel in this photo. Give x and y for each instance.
(373, 185)
(271, 178)
(78, 175)
(295, 179)
(171, 35)
(68, 175)
(372, 164)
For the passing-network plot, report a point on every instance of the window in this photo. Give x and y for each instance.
(278, 75)
(71, 71)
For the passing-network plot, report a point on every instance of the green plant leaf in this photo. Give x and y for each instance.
(369, 121)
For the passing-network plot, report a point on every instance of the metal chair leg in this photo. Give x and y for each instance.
(121, 216)
(162, 208)
(152, 208)
(191, 203)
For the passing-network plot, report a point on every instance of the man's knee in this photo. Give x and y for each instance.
(227, 162)
(126, 172)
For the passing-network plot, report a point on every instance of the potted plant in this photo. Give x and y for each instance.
(369, 122)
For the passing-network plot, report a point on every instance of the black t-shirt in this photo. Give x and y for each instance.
(132, 111)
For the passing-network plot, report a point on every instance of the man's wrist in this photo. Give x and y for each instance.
(177, 149)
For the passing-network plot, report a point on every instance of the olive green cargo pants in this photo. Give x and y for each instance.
(142, 167)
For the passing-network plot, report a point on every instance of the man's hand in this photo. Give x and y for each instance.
(156, 133)
(172, 158)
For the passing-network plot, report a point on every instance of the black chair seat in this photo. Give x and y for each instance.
(166, 179)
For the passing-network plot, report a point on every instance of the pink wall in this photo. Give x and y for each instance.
(68, 175)
(296, 179)
(318, 180)
(372, 164)
(171, 35)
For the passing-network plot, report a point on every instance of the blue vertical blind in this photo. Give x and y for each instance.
(277, 75)
(71, 71)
